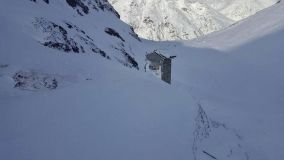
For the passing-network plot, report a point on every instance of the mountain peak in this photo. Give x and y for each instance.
(183, 19)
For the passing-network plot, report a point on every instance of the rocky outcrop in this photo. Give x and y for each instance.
(71, 33)
(46, 1)
(57, 37)
(29, 80)
(84, 6)
(182, 19)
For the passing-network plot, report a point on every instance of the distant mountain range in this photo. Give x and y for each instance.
(184, 19)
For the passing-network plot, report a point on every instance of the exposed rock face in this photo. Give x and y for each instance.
(86, 5)
(46, 1)
(57, 37)
(79, 4)
(65, 33)
(184, 19)
(112, 32)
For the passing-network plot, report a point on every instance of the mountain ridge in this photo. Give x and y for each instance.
(184, 19)
(61, 102)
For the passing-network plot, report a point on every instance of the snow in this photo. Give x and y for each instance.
(170, 20)
(165, 20)
(104, 118)
(226, 99)
(242, 85)
(263, 23)
(239, 9)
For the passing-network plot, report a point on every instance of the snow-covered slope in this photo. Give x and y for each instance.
(58, 102)
(242, 83)
(61, 25)
(263, 23)
(68, 106)
(170, 20)
(239, 9)
(184, 19)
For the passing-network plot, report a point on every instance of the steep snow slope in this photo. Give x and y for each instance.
(56, 105)
(69, 32)
(239, 9)
(184, 19)
(79, 105)
(263, 23)
(170, 20)
(99, 110)
(241, 85)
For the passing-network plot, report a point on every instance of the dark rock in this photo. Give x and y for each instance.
(58, 36)
(131, 61)
(112, 32)
(133, 34)
(59, 46)
(46, 1)
(33, 81)
(148, 20)
(50, 84)
(69, 25)
(78, 3)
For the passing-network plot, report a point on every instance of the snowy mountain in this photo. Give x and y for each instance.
(184, 19)
(69, 32)
(239, 9)
(237, 74)
(243, 32)
(65, 93)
